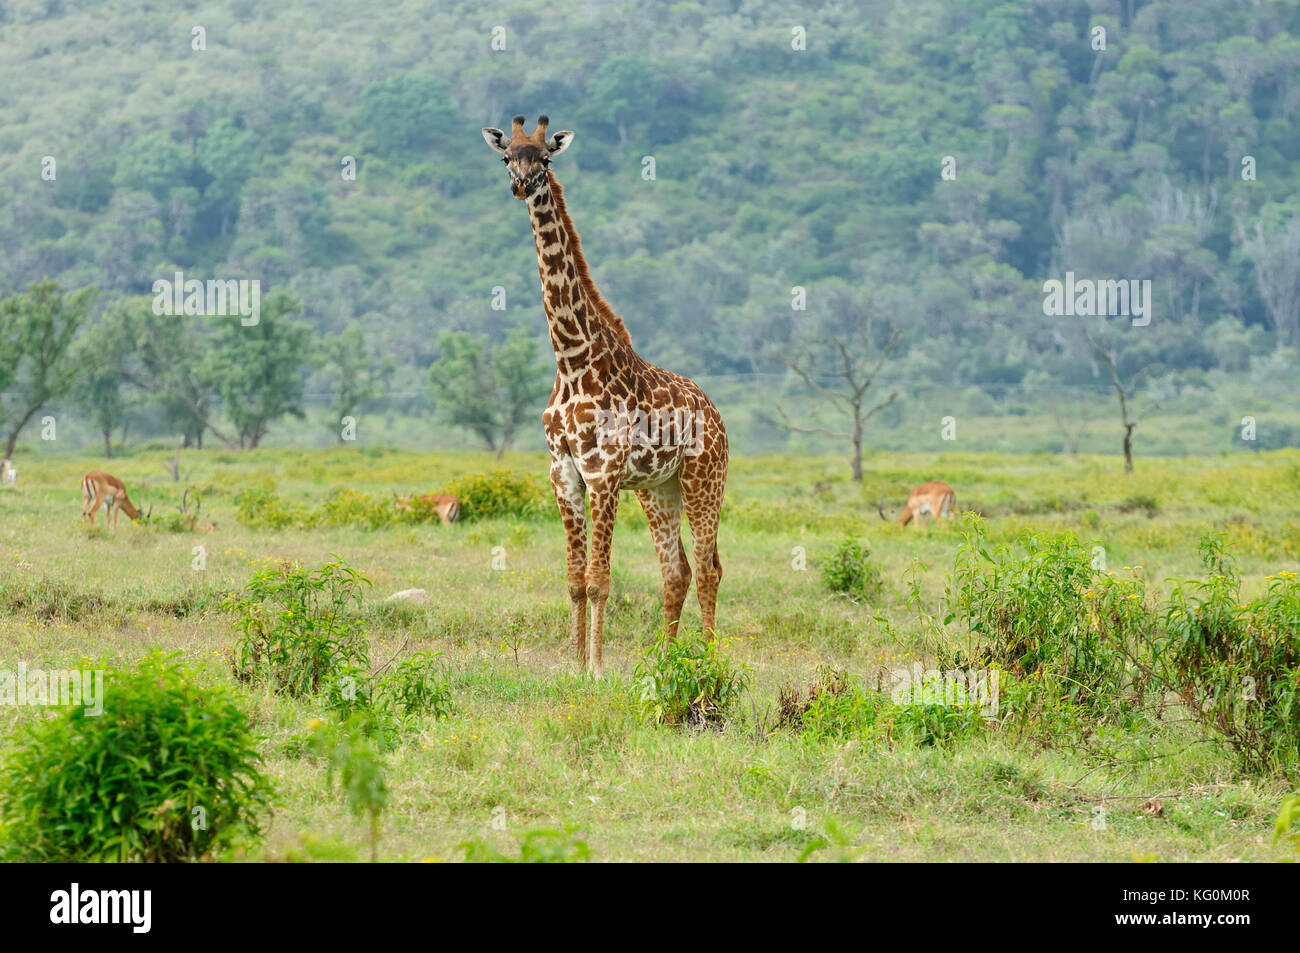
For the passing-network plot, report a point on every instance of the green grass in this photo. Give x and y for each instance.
(530, 735)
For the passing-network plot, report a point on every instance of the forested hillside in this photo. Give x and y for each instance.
(919, 164)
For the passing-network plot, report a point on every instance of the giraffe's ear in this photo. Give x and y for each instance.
(496, 140)
(559, 142)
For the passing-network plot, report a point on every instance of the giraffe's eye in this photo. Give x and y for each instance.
(546, 163)
(505, 159)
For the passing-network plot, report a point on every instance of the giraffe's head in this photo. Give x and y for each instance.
(526, 157)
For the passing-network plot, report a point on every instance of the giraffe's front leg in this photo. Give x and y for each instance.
(570, 495)
(604, 507)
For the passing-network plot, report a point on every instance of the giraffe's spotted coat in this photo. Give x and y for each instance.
(599, 374)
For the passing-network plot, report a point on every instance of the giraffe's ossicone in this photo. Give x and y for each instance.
(614, 421)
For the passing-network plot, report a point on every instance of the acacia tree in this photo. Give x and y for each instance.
(839, 370)
(488, 391)
(41, 362)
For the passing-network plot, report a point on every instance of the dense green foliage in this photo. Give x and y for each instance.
(685, 678)
(169, 771)
(848, 569)
(774, 167)
(296, 630)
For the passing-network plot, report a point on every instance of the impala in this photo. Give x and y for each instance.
(8, 473)
(447, 506)
(929, 499)
(98, 487)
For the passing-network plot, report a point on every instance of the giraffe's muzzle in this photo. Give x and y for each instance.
(523, 188)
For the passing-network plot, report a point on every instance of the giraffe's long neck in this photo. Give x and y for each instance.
(583, 327)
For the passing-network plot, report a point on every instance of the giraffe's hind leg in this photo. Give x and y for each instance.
(663, 510)
(703, 479)
(571, 496)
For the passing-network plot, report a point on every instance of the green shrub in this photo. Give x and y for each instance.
(1048, 612)
(835, 707)
(842, 711)
(687, 680)
(490, 495)
(418, 686)
(296, 626)
(933, 724)
(260, 508)
(394, 703)
(1237, 664)
(168, 772)
(348, 507)
(1032, 707)
(849, 570)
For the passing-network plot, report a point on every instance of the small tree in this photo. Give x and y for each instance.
(98, 392)
(356, 374)
(488, 391)
(40, 362)
(1125, 389)
(259, 368)
(849, 363)
(170, 363)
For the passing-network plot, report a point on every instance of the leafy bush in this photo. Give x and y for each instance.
(260, 508)
(687, 680)
(169, 772)
(1048, 612)
(393, 704)
(849, 570)
(842, 710)
(490, 495)
(296, 627)
(348, 507)
(835, 706)
(1236, 664)
(935, 725)
(418, 686)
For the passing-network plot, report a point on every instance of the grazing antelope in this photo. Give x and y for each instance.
(8, 473)
(929, 499)
(98, 487)
(447, 506)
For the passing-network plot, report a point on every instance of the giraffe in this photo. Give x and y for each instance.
(614, 421)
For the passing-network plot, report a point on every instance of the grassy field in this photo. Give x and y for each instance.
(530, 737)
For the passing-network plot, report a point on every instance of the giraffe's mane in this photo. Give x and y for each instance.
(603, 310)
